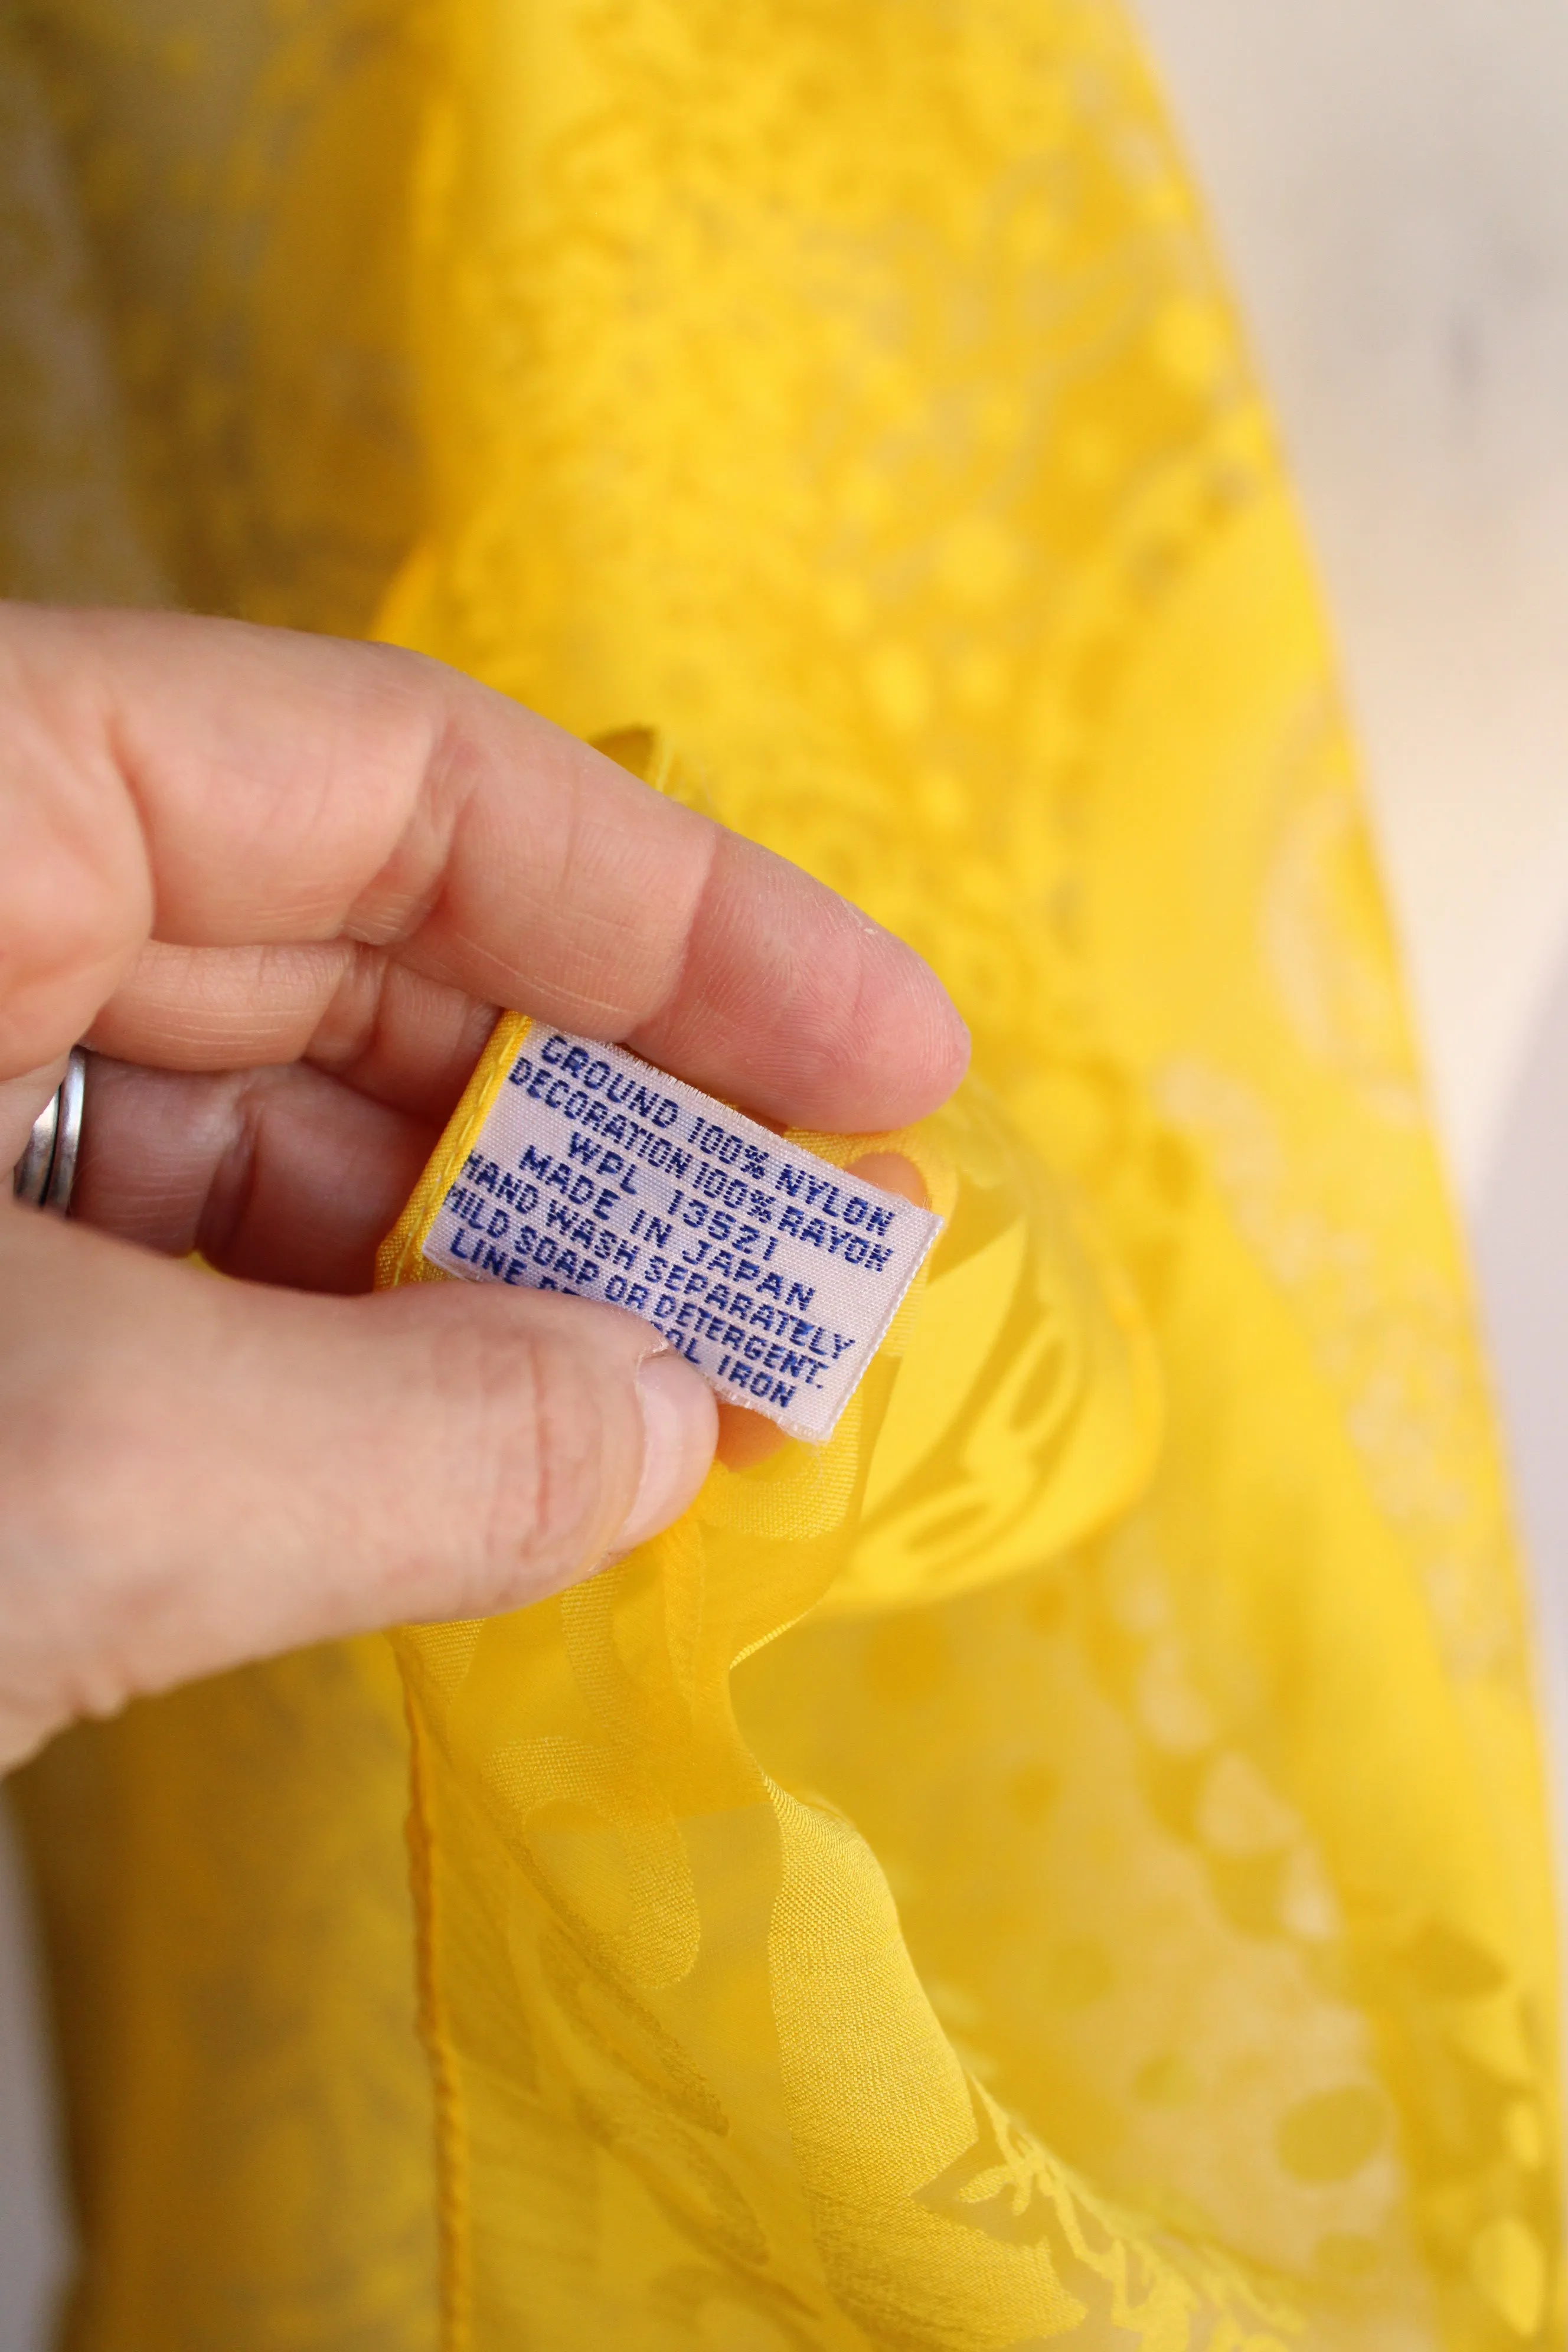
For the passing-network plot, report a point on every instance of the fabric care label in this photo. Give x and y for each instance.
(769, 1269)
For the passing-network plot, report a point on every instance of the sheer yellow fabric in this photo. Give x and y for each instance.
(1067, 1859)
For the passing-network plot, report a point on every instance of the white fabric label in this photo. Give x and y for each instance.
(769, 1269)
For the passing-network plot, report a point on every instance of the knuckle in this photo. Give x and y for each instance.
(545, 1488)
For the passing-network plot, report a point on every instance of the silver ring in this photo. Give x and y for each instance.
(46, 1170)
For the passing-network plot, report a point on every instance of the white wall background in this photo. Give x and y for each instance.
(1390, 184)
(32, 2232)
(1389, 181)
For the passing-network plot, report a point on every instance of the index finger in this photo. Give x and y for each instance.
(213, 784)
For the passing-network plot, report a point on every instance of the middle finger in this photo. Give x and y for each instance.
(276, 1175)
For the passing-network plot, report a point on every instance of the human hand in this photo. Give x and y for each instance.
(283, 884)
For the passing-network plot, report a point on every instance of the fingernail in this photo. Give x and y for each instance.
(680, 1427)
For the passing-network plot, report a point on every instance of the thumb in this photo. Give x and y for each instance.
(196, 1472)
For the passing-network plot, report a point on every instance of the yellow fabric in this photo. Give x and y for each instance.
(224, 1888)
(1066, 1860)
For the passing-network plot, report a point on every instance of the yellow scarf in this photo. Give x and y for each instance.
(1069, 1855)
